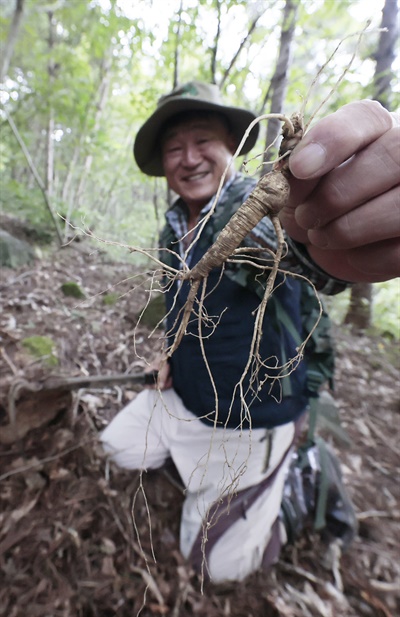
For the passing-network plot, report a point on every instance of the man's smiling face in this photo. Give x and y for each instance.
(195, 153)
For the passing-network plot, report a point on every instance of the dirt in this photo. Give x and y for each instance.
(68, 545)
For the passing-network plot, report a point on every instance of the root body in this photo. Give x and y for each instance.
(266, 199)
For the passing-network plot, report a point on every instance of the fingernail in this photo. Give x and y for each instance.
(307, 161)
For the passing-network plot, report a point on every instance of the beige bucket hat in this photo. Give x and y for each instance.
(188, 97)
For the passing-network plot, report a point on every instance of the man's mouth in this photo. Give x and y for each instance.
(195, 177)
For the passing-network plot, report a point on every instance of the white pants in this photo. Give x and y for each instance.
(214, 464)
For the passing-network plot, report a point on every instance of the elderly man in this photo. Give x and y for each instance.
(232, 446)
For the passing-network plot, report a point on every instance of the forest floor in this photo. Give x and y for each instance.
(68, 546)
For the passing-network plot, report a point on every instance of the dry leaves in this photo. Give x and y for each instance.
(67, 544)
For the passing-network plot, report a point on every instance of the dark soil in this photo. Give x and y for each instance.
(68, 545)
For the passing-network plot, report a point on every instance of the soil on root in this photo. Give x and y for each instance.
(68, 542)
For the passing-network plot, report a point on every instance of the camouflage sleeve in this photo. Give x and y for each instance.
(296, 258)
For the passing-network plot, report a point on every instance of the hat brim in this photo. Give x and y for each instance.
(147, 150)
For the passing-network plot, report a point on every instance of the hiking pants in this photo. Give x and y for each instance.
(234, 480)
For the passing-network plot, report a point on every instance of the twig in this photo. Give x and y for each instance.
(8, 360)
(301, 572)
(362, 516)
(345, 71)
(382, 437)
(150, 583)
(47, 459)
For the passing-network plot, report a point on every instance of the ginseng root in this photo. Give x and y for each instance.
(267, 199)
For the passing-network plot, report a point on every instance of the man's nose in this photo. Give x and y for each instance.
(191, 156)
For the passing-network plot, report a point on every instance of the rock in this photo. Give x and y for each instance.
(14, 252)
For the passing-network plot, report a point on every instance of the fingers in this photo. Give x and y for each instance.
(164, 377)
(164, 380)
(371, 172)
(337, 137)
(371, 263)
(376, 262)
(345, 194)
(377, 220)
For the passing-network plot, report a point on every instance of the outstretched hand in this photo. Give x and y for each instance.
(164, 377)
(345, 194)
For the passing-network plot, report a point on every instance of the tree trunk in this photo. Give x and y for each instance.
(239, 49)
(11, 39)
(177, 47)
(68, 192)
(214, 50)
(102, 99)
(277, 88)
(359, 313)
(50, 124)
(385, 54)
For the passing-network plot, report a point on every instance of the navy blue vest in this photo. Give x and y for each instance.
(226, 337)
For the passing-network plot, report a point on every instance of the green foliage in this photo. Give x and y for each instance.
(111, 62)
(41, 347)
(109, 299)
(72, 290)
(26, 203)
(385, 311)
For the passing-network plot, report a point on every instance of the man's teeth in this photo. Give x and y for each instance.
(195, 176)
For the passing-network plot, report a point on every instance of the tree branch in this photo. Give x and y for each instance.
(34, 172)
(242, 44)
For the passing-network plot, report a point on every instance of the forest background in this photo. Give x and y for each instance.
(79, 77)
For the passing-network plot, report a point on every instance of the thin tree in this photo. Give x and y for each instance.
(101, 100)
(243, 43)
(277, 89)
(214, 50)
(386, 53)
(359, 313)
(175, 80)
(51, 71)
(11, 39)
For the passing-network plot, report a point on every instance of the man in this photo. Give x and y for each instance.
(229, 432)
